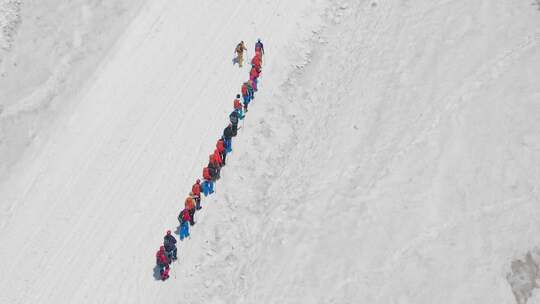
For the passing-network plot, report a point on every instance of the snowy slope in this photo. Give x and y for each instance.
(402, 164)
(391, 156)
(89, 209)
(48, 49)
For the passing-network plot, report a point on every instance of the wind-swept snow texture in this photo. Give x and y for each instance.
(48, 49)
(391, 156)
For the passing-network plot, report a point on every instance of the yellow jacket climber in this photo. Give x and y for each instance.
(240, 48)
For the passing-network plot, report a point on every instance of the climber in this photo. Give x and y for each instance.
(184, 220)
(196, 190)
(239, 50)
(163, 263)
(169, 242)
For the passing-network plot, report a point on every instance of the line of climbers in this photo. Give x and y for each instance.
(167, 253)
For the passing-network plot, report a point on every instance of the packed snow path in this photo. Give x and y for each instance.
(397, 163)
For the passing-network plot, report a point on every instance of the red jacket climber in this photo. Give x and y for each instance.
(256, 62)
(220, 145)
(217, 157)
(161, 258)
(253, 74)
(245, 89)
(213, 162)
(196, 189)
(237, 104)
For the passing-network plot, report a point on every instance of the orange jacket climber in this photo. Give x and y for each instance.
(206, 173)
(189, 204)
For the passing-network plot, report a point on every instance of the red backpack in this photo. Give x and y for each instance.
(220, 146)
(196, 189)
(237, 104)
(186, 217)
(206, 173)
(161, 259)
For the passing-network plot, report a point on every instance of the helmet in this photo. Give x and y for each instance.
(191, 193)
(162, 248)
(168, 232)
(259, 39)
(237, 95)
(198, 181)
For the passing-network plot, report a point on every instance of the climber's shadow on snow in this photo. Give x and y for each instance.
(157, 275)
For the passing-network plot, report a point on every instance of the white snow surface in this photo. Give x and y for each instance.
(48, 50)
(391, 156)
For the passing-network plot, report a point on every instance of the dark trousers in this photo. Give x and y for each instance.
(223, 157)
(171, 255)
(197, 202)
(192, 214)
